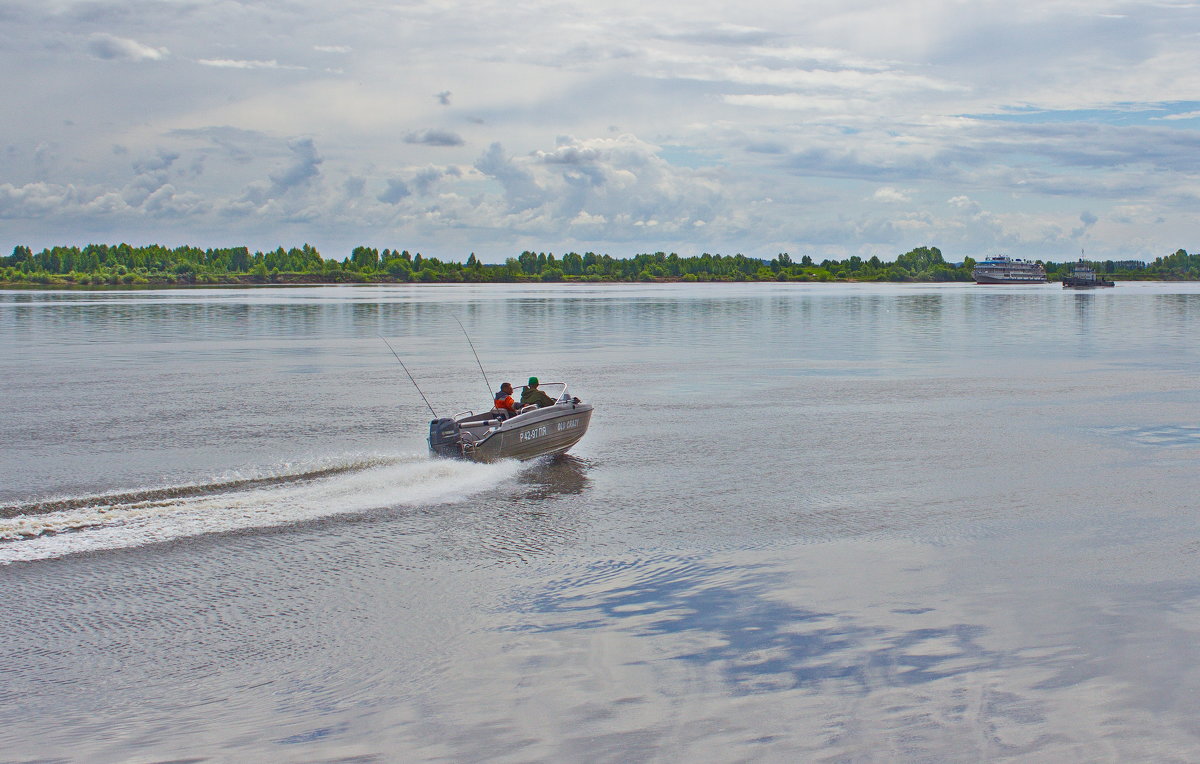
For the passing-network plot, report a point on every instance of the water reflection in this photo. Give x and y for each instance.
(94, 321)
(561, 475)
(1176, 316)
(921, 308)
(1163, 436)
(822, 665)
(757, 640)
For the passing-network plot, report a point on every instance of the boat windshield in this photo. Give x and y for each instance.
(556, 390)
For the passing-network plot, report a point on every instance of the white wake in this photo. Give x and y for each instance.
(66, 526)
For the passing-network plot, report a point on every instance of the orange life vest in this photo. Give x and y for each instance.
(505, 402)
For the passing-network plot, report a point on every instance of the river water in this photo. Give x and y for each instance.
(809, 522)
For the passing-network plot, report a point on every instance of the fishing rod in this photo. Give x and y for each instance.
(410, 376)
(472, 344)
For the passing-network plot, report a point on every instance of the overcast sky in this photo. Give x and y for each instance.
(830, 127)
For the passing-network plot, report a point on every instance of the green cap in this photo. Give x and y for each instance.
(532, 381)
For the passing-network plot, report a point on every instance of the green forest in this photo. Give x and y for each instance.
(123, 264)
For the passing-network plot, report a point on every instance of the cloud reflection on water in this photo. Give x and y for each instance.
(822, 668)
(758, 641)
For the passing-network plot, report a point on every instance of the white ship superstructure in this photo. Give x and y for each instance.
(1002, 269)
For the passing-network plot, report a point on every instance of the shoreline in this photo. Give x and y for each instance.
(153, 265)
(250, 283)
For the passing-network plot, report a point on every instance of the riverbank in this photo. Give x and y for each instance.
(99, 265)
(313, 279)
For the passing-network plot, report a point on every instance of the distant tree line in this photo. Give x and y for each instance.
(99, 264)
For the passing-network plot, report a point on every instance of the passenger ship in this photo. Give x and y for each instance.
(1002, 269)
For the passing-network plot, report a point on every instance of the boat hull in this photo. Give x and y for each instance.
(982, 279)
(539, 432)
(542, 437)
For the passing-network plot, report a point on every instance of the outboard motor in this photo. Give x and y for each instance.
(444, 438)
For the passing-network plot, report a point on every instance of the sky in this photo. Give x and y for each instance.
(1034, 128)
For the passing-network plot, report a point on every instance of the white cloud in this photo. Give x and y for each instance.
(33, 199)
(587, 219)
(166, 201)
(1181, 115)
(965, 203)
(864, 84)
(226, 63)
(888, 194)
(111, 47)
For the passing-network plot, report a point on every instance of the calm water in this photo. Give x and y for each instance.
(809, 522)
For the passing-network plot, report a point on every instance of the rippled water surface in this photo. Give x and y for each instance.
(808, 523)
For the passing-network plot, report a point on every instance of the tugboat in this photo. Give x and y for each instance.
(1084, 276)
(1002, 269)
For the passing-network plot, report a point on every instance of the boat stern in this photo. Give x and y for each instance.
(445, 437)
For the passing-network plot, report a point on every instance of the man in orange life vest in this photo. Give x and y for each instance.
(504, 400)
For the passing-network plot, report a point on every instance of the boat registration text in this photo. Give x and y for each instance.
(544, 430)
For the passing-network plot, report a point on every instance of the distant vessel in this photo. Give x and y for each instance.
(1002, 269)
(1084, 276)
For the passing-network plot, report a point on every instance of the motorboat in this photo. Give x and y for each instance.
(494, 435)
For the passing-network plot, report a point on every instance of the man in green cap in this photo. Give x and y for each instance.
(531, 394)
